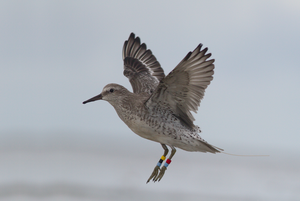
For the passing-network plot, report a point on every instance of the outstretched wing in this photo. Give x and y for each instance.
(184, 87)
(140, 66)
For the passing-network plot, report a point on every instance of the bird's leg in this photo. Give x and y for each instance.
(161, 160)
(167, 163)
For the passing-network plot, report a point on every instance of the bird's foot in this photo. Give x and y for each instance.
(154, 174)
(161, 174)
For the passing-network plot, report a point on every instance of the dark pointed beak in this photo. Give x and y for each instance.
(98, 97)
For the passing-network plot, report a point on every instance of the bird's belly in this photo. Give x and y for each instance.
(162, 133)
(169, 134)
(144, 130)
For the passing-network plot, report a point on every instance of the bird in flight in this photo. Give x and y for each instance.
(159, 109)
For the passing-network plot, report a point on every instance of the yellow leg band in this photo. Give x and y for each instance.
(163, 158)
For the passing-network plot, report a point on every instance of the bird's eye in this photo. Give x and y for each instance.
(111, 90)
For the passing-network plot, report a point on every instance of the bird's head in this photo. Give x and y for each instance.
(112, 93)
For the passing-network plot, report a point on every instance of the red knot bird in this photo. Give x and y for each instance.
(159, 109)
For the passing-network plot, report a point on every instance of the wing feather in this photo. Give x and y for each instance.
(183, 88)
(140, 66)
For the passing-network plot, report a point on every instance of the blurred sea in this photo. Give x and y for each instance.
(67, 166)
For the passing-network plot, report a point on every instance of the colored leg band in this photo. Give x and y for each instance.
(167, 163)
(161, 160)
(159, 163)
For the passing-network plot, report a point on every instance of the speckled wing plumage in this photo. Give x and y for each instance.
(140, 66)
(183, 88)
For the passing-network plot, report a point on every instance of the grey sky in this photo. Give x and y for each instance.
(56, 54)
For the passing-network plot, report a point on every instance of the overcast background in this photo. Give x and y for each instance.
(56, 54)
